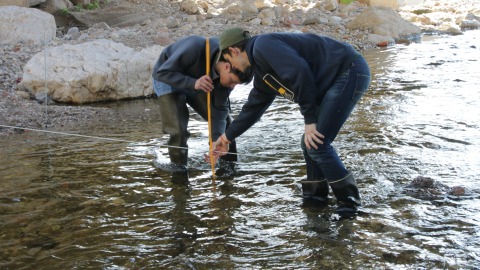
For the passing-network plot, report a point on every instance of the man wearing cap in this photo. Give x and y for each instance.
(179, 78)
(325, 77)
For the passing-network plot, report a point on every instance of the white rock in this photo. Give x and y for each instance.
(260, 4)
(190, 7)
(20, 24)
(329, 5)
(335, 20)
(233, 9)
(267, 13)
(191, 18)
(249, 7)
(93, 71)
(73, 30)
(470, 24)
(385, 22)
(255, 21)
(172, 22)
(375, 39)
(267, 22)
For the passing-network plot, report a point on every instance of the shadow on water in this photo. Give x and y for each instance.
(71, 203)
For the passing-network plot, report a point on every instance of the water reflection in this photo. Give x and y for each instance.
(69, 202)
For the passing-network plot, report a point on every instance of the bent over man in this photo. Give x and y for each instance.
(179, 78)
(325, 77)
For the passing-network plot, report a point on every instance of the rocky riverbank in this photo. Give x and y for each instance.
(140, 24)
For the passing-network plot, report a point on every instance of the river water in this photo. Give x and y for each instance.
(69, 202)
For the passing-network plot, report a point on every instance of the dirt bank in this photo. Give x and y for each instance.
(137, 24)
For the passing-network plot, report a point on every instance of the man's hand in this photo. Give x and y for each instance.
(312, 136)
(220, 148)
(204, 84)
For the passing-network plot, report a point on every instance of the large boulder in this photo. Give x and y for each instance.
(100, 70)
(381, 3)
(116, 14)
(56, 6)
(20, 24)
(385, 22)
(21, 3)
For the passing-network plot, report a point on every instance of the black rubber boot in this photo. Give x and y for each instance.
(315, 192)
(174, 113)
(315, 188)
(232, 147)
(178, 156)
(180, 177)
(227, 163)
(348, 197)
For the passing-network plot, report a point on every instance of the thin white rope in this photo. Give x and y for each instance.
(115, 140)
(50, 167)
(71, 134)
(45, 58)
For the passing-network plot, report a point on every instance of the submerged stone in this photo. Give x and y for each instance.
(427, 188)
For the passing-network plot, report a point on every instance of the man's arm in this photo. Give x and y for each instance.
(256, 105)
(220, 106)
(177, 60)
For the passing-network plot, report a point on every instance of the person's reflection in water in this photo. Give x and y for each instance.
(225, 168)
(216, 211)
(185, 225)
(180, 177)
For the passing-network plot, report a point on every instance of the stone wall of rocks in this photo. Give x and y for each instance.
(27, 33)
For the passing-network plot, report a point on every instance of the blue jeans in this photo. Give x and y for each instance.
(161, 89)
(333, 111)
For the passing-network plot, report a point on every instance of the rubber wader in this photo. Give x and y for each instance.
(175, 116)
(315, 188)
(174, 113)
(346, 192)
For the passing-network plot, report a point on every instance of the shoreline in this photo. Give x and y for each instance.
(22, 109)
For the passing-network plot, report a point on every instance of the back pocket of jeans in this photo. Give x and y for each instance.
(361, 86)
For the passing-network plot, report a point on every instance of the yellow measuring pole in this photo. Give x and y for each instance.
(212, 160)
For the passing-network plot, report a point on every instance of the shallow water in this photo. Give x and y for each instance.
(69, 202)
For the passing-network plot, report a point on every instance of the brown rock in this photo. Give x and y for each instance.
(457, 191)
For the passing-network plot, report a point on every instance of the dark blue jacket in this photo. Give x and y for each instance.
(305, 65)
(180, 64)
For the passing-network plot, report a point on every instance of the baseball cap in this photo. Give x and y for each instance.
(232, 36)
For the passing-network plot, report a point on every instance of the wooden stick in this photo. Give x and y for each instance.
(212, 160)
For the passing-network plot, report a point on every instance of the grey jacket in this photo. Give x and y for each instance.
(182, 63)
